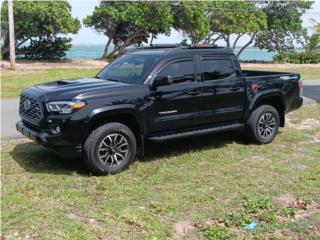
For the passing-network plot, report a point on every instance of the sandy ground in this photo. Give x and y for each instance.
(41, 65)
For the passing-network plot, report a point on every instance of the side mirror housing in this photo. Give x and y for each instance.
(162, 81)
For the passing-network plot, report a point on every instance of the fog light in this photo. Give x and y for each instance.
(55, 129)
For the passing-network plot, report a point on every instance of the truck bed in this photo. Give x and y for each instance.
(261, 74)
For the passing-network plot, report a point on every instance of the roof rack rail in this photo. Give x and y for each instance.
(178, 45)
(164, 45)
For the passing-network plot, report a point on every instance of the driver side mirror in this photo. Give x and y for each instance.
(162, 81)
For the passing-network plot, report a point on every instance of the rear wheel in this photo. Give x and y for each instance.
(110, 149)
(263, 124)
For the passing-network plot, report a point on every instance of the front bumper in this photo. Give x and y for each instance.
(53, 142)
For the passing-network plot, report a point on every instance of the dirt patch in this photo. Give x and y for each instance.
(309, 123)
(92, 223)
(309, 210)
(299, 166)
(316, 138)
(22, 66)
(304, 210)
(284, 200)
(184, 230)
(286, 234)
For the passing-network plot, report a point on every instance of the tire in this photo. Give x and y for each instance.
(109, 149)
(263, 124)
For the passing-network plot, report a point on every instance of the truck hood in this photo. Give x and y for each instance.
(71, 88)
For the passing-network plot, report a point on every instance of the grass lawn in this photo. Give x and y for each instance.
(207, 187)
(13, 82)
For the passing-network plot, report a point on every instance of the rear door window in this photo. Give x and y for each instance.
(216, 69)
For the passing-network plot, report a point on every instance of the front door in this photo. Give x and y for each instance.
(175, 105)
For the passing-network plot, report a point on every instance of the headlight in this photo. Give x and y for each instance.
(64, 107)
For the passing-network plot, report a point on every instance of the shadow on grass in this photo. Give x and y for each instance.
(35, 158)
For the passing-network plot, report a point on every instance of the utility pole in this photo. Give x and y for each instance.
(11, 36)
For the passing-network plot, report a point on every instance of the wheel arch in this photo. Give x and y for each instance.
(274, 99)
(125, 115)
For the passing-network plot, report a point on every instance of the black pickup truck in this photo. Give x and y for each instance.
(155, 93)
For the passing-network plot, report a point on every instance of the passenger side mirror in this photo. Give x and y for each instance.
(162, 81)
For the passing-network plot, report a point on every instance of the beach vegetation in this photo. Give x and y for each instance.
(41, 28)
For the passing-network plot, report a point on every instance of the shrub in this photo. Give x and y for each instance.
(295, 57)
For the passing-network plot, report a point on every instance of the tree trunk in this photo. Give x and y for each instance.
(106, 48)
(228, 40)
(247, 44)
(235, 41)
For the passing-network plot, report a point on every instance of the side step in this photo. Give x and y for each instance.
(195, 132)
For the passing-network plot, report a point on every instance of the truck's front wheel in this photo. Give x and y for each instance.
(263, 124)
(110, 149)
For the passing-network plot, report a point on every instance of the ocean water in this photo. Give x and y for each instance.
(91, 52)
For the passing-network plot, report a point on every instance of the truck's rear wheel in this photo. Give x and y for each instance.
(263, 124)
(110, 149)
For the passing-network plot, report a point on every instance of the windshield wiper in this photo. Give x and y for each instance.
(109, 79)
(114, 80)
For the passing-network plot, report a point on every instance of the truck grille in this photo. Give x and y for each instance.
(30, 108)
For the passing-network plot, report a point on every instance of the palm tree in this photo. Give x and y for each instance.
(313, 44)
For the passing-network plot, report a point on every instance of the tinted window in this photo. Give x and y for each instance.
(131, 68)
(214, 69)
(179, 71)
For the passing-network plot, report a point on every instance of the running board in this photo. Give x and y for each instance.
(196, 132)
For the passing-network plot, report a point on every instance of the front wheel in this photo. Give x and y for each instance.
(110, 149)
(263, 124)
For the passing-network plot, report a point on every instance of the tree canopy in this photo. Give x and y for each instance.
(39, 27)
(284, 25)
(234, 18)
(126, 23)
(191, 18)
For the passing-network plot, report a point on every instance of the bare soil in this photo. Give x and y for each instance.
(25, 65)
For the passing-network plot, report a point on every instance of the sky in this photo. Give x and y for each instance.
(82, 8)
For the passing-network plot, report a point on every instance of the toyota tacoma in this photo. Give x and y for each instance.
(156, 93)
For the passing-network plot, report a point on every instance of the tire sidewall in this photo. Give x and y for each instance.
(267, 109)
(100, 135)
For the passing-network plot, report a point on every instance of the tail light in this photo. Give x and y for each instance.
(300, 84)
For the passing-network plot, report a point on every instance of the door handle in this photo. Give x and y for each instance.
(193, 93)
(235, 89)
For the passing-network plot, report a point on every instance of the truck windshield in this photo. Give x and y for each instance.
(131, 68)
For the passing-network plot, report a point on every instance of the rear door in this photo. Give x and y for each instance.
(175, 105)
(223, 90)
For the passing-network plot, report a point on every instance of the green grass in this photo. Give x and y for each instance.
(197, 180)
(13, 82)
(306, 73)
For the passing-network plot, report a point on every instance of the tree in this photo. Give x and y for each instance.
(190, 17)
(284, 25)
(39, 28)
(126, 23)
(234, 18)
(312, 43)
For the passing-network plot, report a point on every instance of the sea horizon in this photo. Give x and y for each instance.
(95, 51)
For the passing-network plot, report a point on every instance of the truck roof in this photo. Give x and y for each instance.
(166, 49)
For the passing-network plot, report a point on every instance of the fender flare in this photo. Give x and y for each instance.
(109, 111)
(264, 95)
